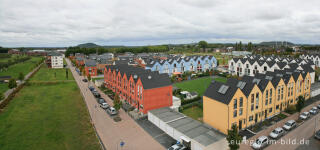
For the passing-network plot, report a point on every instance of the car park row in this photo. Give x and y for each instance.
(264, 141)
(102, 103)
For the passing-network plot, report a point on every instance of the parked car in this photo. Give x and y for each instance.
(96, 94)
(317, 135)
(104, 105)
(177, 146)
(318, 106)
(289, 125)
(111, 111)
(84, 80)
(304, 115)
(276, 133)
(101, 100)
(91, 88)
(260, 143)
(313, 110)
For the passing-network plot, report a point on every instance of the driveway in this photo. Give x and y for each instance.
(303, 132)
(112, 133)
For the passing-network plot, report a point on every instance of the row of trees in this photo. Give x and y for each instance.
(12, 62)
(100, 50)
(4, 50)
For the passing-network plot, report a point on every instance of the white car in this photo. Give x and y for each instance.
(260, 143)
(289, 125)
(318, 106)
(305, 115)
(104, 105)
(177, 146)
(313, 111)
(276, 133)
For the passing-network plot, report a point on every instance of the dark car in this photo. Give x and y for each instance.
(91, 88)
(96, 94)
(317, 135)
(84, 80)
(100, 100)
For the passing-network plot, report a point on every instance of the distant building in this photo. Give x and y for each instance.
(54, 60)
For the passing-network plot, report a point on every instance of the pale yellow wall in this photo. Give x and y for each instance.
(238, 94)
(269, 105)
(291, 96)
(281, 102)
(215, 114)
(255, 111)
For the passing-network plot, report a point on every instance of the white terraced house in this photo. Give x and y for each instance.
(315, 58)
(253, 64)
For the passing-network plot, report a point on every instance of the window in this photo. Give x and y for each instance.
(241, 102)
(278, 93)
(252, 102)
(235, 104)
(240, 111)
(250, 118)
(234, 113)
(282, 92)
(257, 100)
(277, 107)
(270, 96)
(270, 110)
(267, 97)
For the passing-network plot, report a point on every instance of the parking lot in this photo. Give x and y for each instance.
(303, 132)
(156, 133)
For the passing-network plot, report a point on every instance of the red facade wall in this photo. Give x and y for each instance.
(94, 71)
(150, 98)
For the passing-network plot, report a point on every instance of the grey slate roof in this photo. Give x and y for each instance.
(149, 79)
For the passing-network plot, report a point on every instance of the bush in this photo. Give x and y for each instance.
(12, 83)
(189, 105)
(291, 109)
(184, 102)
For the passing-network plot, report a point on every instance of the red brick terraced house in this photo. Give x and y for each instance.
(90, 67)
(142, 89)
(79, 61)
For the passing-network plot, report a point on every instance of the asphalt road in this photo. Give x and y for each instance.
(110, 132)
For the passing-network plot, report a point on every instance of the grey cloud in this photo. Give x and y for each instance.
(127, 22)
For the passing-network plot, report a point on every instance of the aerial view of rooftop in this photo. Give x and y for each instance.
(159, 75)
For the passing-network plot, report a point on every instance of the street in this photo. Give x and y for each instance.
(110, 132)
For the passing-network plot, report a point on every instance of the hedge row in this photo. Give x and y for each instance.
(186, 106)
(15, 61)
(184, 102)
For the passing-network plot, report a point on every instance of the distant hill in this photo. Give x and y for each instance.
(88, 45)
(279, 43)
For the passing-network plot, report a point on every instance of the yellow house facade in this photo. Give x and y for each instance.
(251, 100)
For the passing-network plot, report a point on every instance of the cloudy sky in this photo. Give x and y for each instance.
(146, 22)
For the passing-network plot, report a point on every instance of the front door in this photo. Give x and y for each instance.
(256, 118)
(281, 107)
(265, 114)
(240, 124)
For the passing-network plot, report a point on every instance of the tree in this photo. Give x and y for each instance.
(300, 104)
(249, 47)
(233, 138)
(12, 83)
(240, 46)
(67, 73)
(21, 76)
(203, 44)
(89, 77)
(116, 102)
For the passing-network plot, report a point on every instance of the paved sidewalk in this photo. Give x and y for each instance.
(110, 132)
(303, 131)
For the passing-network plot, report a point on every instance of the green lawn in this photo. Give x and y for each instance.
(14, 70)
(51, 117)
(11, 58)
(199, 85)
(194, 112)
(45, 74)
(24, 67)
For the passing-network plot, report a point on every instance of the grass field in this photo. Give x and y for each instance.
(11, 58)
(45, 74)
(14, 70)
(24, 67)
(194, 112)
(51, 117)
(199, 85)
